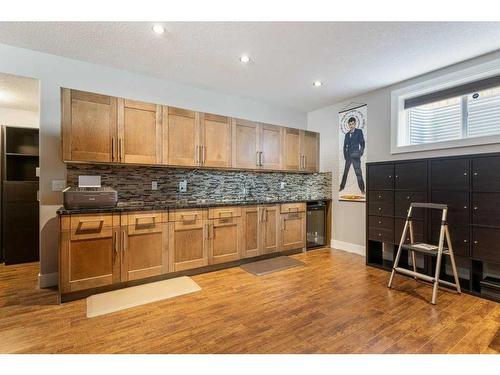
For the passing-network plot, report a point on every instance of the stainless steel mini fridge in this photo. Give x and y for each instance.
(316, 224)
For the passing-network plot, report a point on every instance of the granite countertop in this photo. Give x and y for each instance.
(165, 205)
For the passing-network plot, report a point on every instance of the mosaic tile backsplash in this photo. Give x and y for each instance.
(134, 183)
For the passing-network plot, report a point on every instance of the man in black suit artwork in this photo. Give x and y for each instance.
(354, 147)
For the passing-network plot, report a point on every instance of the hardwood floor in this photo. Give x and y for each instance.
(335, 304)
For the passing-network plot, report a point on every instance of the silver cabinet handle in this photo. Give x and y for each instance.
(196, 155)
(261, 158)
(115, 250)
(257, 158)
(112, 148)
(123, 245)
(204, 154)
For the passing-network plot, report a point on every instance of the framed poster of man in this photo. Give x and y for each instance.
(352, 153)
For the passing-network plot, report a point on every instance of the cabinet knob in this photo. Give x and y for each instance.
(380, 222)
(380, 196)
(475, 242)
(475, 173)
(380, 234)
(380, 208)
(465, 241)
(408, 197)
(397, 176)
(390, 176)
(475, 208)
(465, 173)
(465, 207)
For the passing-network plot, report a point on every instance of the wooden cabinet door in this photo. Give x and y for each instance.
(270, 239)
(88, 126)
(291, 149)
(181, 133)
(310, 151)
(139, 132)
(215, 141)
(251, 231)
(89, 254)
(144, 249)
(270, 147)
(245, 144)
(188, 244)
(225, 239)
(450, 174)
(411, 176)
(293, 231)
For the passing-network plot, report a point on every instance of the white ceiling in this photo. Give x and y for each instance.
(349, 57)
(19, 93)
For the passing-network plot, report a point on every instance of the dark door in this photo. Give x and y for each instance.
(486, 174)
(402, 202)
(486, 209)
(411, 176)
(418, 231)
(450, 174)
(381, 177)
(20, 222)
(486, 245)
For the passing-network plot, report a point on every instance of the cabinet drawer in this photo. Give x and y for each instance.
(459, 234)
(146, 224)
(418, 231)
(379, 222)
(402, 203)
(486, 244)
(187, 215)
(381, 203)
(92, 222)
(486, 209)
(381, 177)
(486, 174)
(450, 175)
(145, 218)
(458, 206)
(411, 176)
(380, 234)
(224, 212)
(293, 207)
(91, 232)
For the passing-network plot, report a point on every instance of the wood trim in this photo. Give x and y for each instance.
(144, 106)
(181, 112)
(91, 97)
(66, 123)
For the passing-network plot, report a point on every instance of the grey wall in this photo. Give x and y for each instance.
(134, 183)
(55, 72)
(349, 217)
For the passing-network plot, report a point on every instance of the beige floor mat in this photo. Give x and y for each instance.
(121, 299)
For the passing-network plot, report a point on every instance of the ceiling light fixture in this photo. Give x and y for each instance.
(158, 29)
(317, 83)
(245, 59)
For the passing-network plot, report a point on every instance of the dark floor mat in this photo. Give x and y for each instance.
(266, 266)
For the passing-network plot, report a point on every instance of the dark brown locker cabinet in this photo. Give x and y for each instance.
(381, 177)
(450, 174)
(411, 176)
(486, 174)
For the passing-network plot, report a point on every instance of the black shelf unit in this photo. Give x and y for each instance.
(469, 184)
(19, 190)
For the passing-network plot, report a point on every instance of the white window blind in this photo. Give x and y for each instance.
(483, 113)
(435, 122)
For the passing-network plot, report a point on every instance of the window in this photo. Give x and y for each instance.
(473, 115)
(455, 110)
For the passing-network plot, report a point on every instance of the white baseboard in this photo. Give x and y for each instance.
(349, 247)
(48, 280)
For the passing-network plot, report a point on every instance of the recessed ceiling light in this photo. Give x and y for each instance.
(158, 29)
(245, 59)
(317, 83)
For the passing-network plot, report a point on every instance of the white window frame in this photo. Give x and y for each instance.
(399, 121)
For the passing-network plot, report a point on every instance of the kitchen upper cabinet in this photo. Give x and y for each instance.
(89, 131)
(188, 239)
(309, 142)
(216, 140)
(139, 132)
(291, 149)
(89, 252)
(270, 148)
(224, 234)
(144, 245)
(245, 144)
(270, 225)
(181, 137)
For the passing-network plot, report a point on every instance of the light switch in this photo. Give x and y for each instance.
(58, 185)
(154, 185)
(282, 185)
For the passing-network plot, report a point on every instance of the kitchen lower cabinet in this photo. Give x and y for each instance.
(293, 231)
(89, 252)
(224, 240)
(251, 231)
(144, 247)
(260, 230)
(270, 229)
(188, 240)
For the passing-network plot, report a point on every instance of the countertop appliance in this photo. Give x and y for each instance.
(89, 197)
(316, 224)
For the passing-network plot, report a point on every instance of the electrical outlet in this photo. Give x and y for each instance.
(183, 186)
(58, 185)
(154, 185)
(282, 185)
